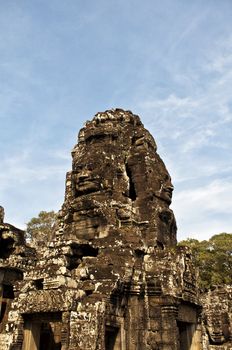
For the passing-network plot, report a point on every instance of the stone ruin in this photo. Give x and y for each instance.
(113, 278)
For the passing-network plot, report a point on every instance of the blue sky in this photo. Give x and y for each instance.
(170, 62)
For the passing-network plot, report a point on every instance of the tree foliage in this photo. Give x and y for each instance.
(214, 259)
(42, 228)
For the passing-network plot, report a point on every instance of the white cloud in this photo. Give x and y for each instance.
(19, 169)
(201, 211)
(205, 92)
(171, 103)
(220, 60)
(212, 195)
(196, 119)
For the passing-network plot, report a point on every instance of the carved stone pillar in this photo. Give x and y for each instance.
(170, 333)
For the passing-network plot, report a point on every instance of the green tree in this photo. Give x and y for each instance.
(42, 228)
(214, 259)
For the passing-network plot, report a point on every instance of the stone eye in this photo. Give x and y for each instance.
(165, 216)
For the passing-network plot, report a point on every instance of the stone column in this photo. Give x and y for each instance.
(135, 318)
(65, 330)
(170, 333)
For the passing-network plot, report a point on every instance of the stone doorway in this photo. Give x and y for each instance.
(42, 331)
(186, 333)
(112, 338)
(6, 296)
(189, 333)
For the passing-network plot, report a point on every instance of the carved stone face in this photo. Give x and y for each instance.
(166, 189)
(217, 326)
(115, 165)
(85, 180)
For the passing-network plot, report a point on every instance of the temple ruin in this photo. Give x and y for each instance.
(113, 278)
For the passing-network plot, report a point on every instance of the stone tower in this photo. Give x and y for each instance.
(119, 184)
(113, 278)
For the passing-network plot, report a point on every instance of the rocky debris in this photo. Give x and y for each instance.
(113, 277)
